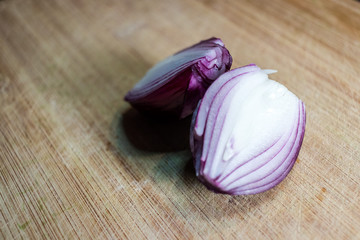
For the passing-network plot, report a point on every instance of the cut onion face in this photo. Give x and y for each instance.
(246, 132)
(175, 85)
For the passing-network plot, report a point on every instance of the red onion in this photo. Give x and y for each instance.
(246, 132)
(175, 85)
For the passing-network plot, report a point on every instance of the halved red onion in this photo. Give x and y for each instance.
(246, 132)
(175, 85)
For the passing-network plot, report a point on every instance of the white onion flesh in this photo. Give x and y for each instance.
(246, 132)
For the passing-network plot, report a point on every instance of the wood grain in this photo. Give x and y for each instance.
(77, 162)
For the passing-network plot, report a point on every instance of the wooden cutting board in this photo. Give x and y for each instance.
(77, 162)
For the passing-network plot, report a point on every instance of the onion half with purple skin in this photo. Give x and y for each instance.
(246, 132)
(175, 85)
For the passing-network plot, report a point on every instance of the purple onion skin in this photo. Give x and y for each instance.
(246, 132)
(174, 86)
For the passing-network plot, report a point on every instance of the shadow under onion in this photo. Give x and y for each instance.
(155, 134)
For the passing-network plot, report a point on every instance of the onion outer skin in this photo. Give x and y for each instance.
(246, 132)
(174, 86)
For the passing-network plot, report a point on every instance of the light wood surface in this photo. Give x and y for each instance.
(77, 162)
